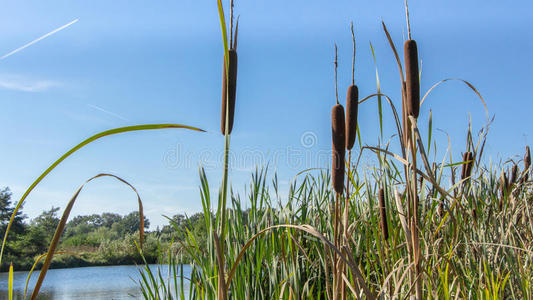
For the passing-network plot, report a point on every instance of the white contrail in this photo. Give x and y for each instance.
(38, 39)
(107, 112)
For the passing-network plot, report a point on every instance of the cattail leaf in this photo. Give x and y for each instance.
(10, 282)
(393, 108)
(63, 222)
(78, 147)
(378, 88)
(39, 258)
(236, 33)
(391, 43)
(359, 137)
(463, 81)
(430, 130)
(461, 163)
(223, 28)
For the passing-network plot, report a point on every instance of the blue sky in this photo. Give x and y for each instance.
(135, 62)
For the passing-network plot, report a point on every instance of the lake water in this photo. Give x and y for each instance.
(95, 283)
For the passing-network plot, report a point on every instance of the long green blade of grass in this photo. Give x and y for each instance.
(378, 86)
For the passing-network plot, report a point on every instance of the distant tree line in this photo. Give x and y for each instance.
(97, 239)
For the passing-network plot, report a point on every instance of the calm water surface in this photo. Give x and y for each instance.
(110, 282)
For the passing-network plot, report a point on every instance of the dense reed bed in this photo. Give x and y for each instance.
(481, 251)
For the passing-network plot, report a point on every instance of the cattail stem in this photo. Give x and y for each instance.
(335, 63)
(347, 200)
(353, 56)
(407, 20)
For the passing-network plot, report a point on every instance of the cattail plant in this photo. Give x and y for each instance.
(338, 135)
(412, 82)
(504, 188)
(352, 103)
(229, 85)
(527, 164)
(514, 174)
(383, 214)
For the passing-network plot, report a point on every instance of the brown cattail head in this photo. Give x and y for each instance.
(514, 174)
(470, 164)
(383, 214)
(411, 78)
(504, 183)
(229, 86)
(468, 159)
(527, 162)
(352, 103)
(339, 147)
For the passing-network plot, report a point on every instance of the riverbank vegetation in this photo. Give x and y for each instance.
(92, 240)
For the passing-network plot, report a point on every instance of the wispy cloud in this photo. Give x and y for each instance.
(38, 39)
(107, 112)
(25, 84)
